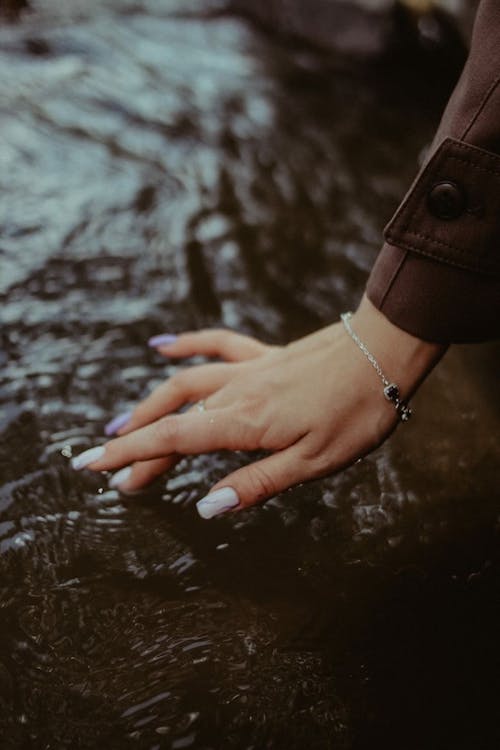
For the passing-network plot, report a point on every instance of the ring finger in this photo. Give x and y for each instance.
(139, 474)
(188, 386)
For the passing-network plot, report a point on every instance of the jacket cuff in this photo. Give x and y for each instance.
(438, 275)
(434, 301)
(452, 212)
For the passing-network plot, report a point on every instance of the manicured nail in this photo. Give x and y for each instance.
(117, 423)
(120, 477)
(88, 457)
(217, 502)
(164, 339)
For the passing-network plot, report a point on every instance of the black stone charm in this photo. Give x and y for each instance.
(391, 392)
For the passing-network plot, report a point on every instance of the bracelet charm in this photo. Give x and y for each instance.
(391, 390)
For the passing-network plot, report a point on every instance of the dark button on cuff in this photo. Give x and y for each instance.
(452, 212)
(446, 200)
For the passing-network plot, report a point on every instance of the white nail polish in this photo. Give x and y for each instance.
(217, 502)
(88, 457)
(120, 477)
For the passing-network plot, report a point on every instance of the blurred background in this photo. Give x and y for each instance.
(167, 165)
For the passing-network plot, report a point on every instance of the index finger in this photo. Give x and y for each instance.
(190, 433)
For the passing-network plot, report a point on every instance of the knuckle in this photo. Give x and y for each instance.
(175, 383)
(252, 406)
(262, 485)
(157, 394)
(181, 384)
(323, 463)
(223, 338)
(251, 421)
(166, 430)
(319, 457)
(143, 412)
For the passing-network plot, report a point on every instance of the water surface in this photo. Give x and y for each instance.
(161, 172)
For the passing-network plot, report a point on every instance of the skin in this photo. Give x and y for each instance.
(315, 405)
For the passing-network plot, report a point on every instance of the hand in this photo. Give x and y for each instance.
(315, 406)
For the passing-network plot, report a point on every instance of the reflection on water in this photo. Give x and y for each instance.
(162, 172)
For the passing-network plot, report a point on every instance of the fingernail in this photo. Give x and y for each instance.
(88, 457)
(217, 502)
(120, 477)
(117, 423)
(162, 340)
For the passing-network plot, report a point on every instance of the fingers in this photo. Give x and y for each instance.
(256, 482)
(187, 386)
(217, 342)
(133, 478)
(190, 433)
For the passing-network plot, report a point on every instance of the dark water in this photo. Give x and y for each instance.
(161, 172)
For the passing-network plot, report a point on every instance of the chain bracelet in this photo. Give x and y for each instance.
(391, 390)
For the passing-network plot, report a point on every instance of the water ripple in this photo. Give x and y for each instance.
(161, 171)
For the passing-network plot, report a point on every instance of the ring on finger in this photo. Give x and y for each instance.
(201, 406)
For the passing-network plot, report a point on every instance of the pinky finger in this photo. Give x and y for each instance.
(255, 483)
(133, 478)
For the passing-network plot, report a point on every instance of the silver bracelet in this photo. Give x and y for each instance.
(391, 390)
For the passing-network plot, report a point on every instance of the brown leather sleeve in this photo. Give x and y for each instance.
(438, 273)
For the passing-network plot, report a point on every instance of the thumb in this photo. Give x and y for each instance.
(254, 483)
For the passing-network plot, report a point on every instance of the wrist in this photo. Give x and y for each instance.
(405, 359)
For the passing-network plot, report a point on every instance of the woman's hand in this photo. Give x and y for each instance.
(315, 406)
